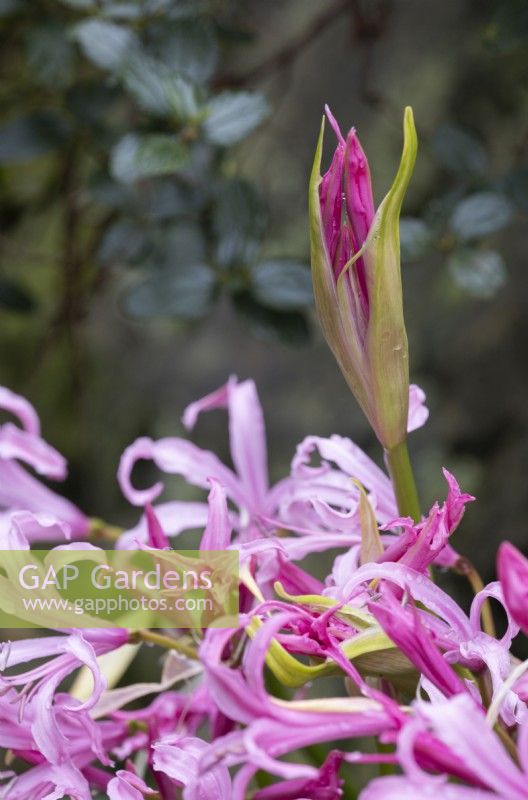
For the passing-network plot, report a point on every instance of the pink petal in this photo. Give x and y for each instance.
(24, 446)
(21, 408)
(216, 399)
(217, 534)
(176, 456)
(174, 518)
(418, 411)
(20, 490)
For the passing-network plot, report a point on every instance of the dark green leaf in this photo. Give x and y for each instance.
(166, 199)
(50, 55)
(415, 238)
(14, 297)
(186, 294)
(123, 242)
(112, 195)
(438, 211)
(189, 47)
(184, 245)
(479, 272)
(234, 34)
(239, 222)
(8, 7)
(124, 11)
(157, 89)
(136, 157)
(80, 4)
(282, 284)
(232, 115)
(105, 44)
(515, 185)
(94, 104)
(459, 151)
(508, 27)
(481, 214)
(35, 135)
(289, 327)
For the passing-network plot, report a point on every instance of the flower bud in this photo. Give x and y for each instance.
(355, 253)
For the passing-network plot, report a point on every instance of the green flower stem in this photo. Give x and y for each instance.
(101, 529)
(163, 641)
(402, 478)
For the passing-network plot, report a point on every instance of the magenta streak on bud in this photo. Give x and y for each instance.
(358, 188)
(359, 204)
(346, 229)
(331, 202)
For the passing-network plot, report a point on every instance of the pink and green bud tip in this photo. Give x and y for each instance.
(356, 275)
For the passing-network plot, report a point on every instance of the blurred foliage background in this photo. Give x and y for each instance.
(154, 159)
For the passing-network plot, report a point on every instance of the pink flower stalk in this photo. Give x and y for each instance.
(18, 489)
(356, 278)
(512, 568)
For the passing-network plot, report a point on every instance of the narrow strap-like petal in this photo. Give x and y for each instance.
(21, 408)
(175, 456)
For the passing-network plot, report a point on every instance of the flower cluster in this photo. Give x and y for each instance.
(423, 691)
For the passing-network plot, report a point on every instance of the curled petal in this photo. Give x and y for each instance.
(216, 399)
(462, 726)
(20, 490)
(353, 462)
(418, 411)
(176, 456)
(21, 408)
(24, 446)
(246, 434)
(494, 590)
(178, 757)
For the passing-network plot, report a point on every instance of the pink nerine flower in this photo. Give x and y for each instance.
(461, 726)
(512, 568)
(18, 489)
(40, 712)
(127, 785)
(304, 502)
(178, 757)
(422, 544)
